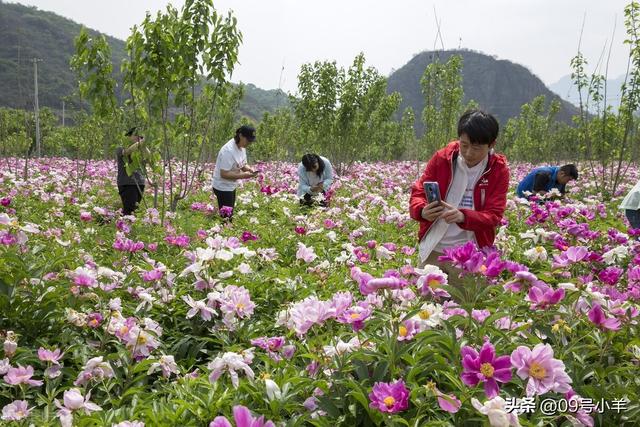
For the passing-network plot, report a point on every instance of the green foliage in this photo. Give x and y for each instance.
(17, 132)
(608, 139)
(443, 95)
(280, 137)
(536, 134)
(92, 64)
(346, 112)
(169, 58)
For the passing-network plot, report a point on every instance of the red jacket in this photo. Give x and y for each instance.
(489, 194)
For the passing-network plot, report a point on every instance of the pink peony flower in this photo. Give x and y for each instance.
(355, 316)
(15, 411)
(21, 375)
(485, 367)
(369, 285)
(308, 312)
(544, 372)
(152, 275)
(201, 307)
(480, 315)
(95, 368)
(94, 320)
(304, 253)
(431, 284)
(581, 415)
(50, 356)
(166, 364)
(84, 277)
(73, 400)
(572, 255)
(231, 362)
(389, 397)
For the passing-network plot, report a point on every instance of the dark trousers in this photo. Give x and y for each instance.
(634, 217)
(131, 197)
(308, 200)
(226, 198)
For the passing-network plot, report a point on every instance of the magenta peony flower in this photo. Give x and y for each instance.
(389, 397)
(243, 418)
(597, 317)
(542, 296)
(226, 211)
(544, 372)
(247, 235)
(610, 275)
(485, 367)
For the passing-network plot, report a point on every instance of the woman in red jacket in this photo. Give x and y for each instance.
(473, 183)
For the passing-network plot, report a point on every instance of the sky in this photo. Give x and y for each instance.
(281, 35)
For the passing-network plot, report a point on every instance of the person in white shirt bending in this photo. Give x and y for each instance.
(631, 206)
(315, 175)
(231, 166)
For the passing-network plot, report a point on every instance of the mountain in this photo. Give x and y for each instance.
(26, 33)
(569, 92)
(500, 87)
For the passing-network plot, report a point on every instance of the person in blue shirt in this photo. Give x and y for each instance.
(543, 179)
(315, 175)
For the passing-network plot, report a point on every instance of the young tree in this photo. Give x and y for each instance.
(344, 112)
(531, 136)
(443, 95)
(608, 138)
(170, 58)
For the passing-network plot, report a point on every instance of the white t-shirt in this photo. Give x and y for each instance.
(229, 157)
(632, 199)
(456, 236)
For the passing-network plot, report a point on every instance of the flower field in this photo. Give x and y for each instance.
(296, 316)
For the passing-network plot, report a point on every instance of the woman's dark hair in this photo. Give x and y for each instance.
(308, 160)
(480, 127)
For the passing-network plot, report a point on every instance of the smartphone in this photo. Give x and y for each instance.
(432, 190)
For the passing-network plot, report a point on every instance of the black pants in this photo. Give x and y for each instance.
(308, 200)
(130, 196)
(226, 198)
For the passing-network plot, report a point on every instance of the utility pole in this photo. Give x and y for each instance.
(36, 106)
(63, 113)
